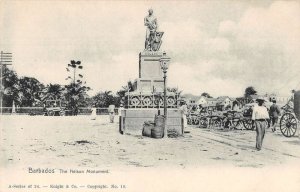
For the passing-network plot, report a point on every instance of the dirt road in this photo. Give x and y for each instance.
(206, 160)
(79, 141)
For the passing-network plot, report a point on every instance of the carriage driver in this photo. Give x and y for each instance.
(274, 114)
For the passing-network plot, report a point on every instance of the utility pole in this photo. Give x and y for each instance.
(5, 59)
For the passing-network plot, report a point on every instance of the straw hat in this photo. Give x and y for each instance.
(260, 98)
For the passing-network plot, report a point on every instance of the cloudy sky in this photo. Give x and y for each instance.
(219, 47)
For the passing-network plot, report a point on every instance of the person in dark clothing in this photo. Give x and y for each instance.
(274, 114)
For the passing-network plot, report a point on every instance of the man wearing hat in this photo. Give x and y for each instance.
(121, 108)
(259, 116)
(274, 114)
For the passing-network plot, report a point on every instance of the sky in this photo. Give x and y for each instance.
(219, 47)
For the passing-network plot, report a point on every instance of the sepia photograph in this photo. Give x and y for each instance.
(150, 96)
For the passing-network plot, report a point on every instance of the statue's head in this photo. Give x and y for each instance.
(150, 11)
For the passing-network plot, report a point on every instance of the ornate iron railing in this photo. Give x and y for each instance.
(151, 100)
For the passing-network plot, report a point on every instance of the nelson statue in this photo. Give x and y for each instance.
(153, 37)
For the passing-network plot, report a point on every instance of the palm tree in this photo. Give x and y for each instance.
(103, 99)
(76, 91)
(52, 92)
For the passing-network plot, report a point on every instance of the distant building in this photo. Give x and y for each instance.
(202, 100)
(280, 100)
(224, 103)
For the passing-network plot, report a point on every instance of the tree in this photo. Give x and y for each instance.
(76, 95)
(249, 91)
(103, 99)
(53, 92)
(174, 90)
(72, 69)
(30, 89)
(76, 91)
(10, 88)
(206, 95)
(120, 95)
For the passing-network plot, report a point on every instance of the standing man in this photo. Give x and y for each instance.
(151, 22)
(121, 108)
(94, 113)
(184, 112)
(260, 116)
(111, 111)
(274, 114)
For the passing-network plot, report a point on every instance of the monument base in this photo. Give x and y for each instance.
(131, 120)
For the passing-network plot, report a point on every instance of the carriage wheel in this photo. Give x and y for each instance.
(62, 113)
(228, 124)
(203, 122)
(147, 101)
(135, 101)
(50, 113)
(216, 123)
(195, 121)
(288, 124)
(237, 124)
(248, 124)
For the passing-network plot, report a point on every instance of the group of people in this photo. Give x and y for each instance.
(111, 111)
(261, 117)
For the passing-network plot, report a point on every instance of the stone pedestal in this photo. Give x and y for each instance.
(150, 73)
(132, 120)
(143, 101)
(149, 65)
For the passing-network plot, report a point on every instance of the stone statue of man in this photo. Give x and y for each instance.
(151, 22)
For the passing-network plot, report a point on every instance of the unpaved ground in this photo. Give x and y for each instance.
(201, 160)
(81, 142)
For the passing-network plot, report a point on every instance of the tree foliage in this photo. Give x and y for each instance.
(53, 91)
(76, 95)
(103, 99)
(11, 88)
(249, 91)
(76, 92)
(204, 94)
(30, 89)
(174, 90)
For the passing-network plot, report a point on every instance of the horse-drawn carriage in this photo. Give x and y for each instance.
(229, 119)
(54, 107)
(290, 119)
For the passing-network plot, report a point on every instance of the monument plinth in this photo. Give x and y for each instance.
(150, 73)
(146, 99)
(149, 65)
